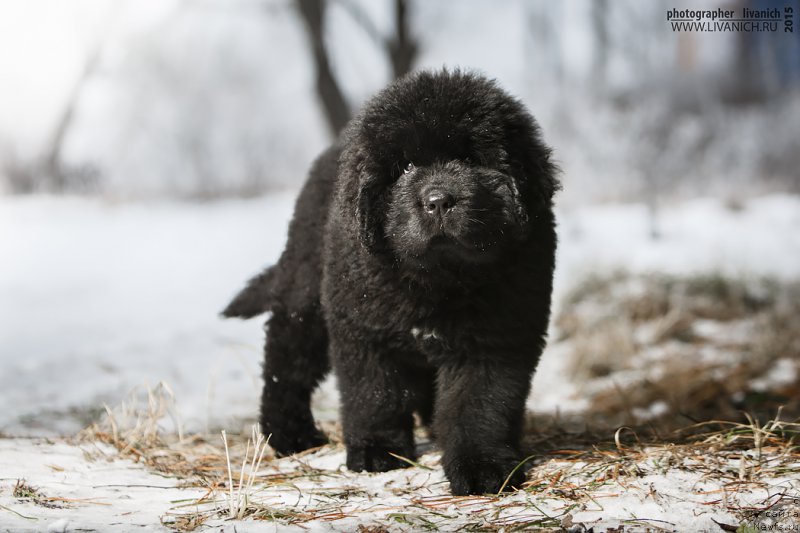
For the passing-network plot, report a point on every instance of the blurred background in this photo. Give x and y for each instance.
(150, 152)
(207, 99)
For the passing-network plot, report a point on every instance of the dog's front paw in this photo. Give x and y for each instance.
(376, 458)
(288, 442)
(471, 473)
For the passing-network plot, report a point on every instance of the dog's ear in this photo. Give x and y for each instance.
(363, 187)
(543, 173)
(538, 176)
(369, 203)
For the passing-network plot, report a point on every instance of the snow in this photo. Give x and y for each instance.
(99, 492)
(98, 297)
(92, 490)
(697, 236)
(783, 373)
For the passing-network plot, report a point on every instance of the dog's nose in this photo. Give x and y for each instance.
(438, 202)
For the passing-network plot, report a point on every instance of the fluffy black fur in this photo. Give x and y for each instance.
(419, 263)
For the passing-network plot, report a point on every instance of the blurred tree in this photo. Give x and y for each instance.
(602, 44)
(401, 49)
(56, 176)
(337, 112)
(543, 45)
(47, 171)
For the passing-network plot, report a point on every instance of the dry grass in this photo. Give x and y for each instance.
(24, 492)
(240, 494)
(675, 350)
(570, 472)
(137, 430)
(740, 458)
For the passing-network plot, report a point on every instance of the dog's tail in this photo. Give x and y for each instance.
(255, 299)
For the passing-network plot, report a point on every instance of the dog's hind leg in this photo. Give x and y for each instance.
(295, 362)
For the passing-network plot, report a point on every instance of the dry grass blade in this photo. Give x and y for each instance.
(511, 474)
(238, 502)
(409, 461)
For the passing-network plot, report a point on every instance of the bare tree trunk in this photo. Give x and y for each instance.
(55, 175)
(403, 48)
(600, 25)
(337, 112)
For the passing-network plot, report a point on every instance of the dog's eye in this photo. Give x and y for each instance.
(408, 167)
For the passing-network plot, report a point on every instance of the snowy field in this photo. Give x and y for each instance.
(98, 298)
(88, 488)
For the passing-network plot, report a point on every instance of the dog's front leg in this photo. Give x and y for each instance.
(377, 402)
(478, 420)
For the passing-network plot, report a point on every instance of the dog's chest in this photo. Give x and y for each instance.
(438, 339)
(440, 329)
(428, 338)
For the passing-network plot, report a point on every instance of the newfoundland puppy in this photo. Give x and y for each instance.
(419, 265)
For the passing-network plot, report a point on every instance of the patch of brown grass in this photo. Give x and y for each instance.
(27, 493)
(679, 349)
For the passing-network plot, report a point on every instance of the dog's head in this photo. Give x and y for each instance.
(446, 167)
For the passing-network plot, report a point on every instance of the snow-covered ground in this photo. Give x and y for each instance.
(97, 298)
(85, 488)
(104, 495)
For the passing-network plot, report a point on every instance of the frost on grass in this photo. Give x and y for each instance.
(663, 360)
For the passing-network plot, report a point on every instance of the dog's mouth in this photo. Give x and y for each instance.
(444, 248)
(442, 241)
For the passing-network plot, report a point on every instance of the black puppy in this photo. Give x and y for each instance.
(419, 262)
